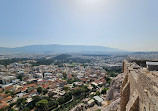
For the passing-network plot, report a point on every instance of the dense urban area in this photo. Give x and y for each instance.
(58, 82)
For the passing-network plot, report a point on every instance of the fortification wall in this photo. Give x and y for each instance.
(139, 89)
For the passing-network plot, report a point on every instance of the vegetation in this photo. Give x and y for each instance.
(45, 91)
(65, 98)
(9, 61)
(98, 110)
(21, 102)
(70, 81)
(97, 93)
(108, 80)
(42, 105)
(39, 90)
(104, 90)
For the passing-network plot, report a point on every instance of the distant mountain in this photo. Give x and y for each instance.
(55, 48)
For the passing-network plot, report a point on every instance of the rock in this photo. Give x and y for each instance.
(115, 88)
(114, 106)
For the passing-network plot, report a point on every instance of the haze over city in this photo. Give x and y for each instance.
(127, 25)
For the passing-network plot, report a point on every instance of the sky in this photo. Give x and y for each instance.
(130, 25)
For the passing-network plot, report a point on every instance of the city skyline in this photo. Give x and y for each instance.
(127, 25)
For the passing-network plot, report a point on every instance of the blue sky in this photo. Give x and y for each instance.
(125, 24)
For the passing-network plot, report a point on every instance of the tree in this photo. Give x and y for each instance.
(42, 105)
(20, 77)
(97, 93)
(39, 90)
(32, 104)
(36, 99)
(25, 109)
(66, 88)
(12, 110)
(107, 79)
(64, 75)
(67, 97)
(104, 91)
(52, 104)
(21, 102)
(51, 94)
(77, 92)
(45, 91)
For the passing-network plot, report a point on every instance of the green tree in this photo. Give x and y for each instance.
(98, 110)
(66, 88)
(20, 77)
(64, 75)
(107, 79)
(52, 104)
(12, 110)
(39, 90)
(25, 109)
(42, 105)
(104, 91)
(21, 102)
(51, 94)
(45, 91)
(97, 93)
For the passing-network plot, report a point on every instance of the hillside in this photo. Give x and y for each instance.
(55, 48)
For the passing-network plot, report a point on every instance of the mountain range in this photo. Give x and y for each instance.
(56, 48)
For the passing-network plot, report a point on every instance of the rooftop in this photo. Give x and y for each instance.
(152, 63)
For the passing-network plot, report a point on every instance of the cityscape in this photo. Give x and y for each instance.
(78, 55)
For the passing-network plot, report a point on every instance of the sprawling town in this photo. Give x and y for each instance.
(59, 83)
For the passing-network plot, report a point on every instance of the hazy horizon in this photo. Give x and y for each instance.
(126, 25)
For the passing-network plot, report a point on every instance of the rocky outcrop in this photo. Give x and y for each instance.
(114, 106)
(115, 87)
(114, 95)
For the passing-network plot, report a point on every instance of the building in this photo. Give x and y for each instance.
(98, 100)
(152, 66)
(7, 79)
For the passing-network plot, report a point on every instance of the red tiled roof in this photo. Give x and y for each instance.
(45, 86)
(8, 87)
(1, 89)
(6, 99)
(3, 104)
(3, 95)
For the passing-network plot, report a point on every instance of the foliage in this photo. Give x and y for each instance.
(66, 88)
(97, 93)
(104, 90)
(108, 80)
(42, 105)
(80, 90)
(25, 109)
(62, 57)
(12, 110)
(39, 90)
(65, 98)
(45, 91)
(9, 61)
(51, 94)
(64, 75)
(32, 104)
(98, 110)
(114, 69)
(53, 104)
(70, 81)
(21, 102)
(20, 77)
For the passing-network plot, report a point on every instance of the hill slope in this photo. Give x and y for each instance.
(55, 48)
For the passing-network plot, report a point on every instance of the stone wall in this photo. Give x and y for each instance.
(139, 90)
